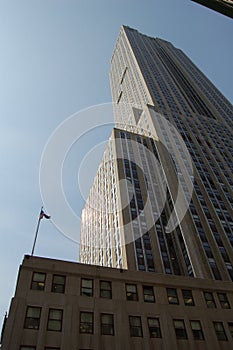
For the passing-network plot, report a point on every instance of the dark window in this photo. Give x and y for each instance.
(180, 329)
(32, 319)
(38, 281)
(197, 330)
(223, 301)
(219, 330)
(131, 292)
(172, 296)
(148, 293)
(106, 289)
(154, 327)
(209, 298)
(107, 324)
(86, 322)
(230, 325)
(58, 284)
(188, 297)
(27, 348)
(49, 348)
(87, 287)
(135, 326)
(55, 320)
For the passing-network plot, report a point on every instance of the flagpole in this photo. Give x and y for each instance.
(36, 234)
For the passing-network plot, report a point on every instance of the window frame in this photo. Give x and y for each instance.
(88, 323)
(210, 303)
(131, 296)
(225, 302)
(26, 319)
(197, 331)
(186, 298)
(35, 284)
(56, 285)
(218, 333)
(148, 295)
(82, 288)
(133, 327)
(103, 290)
(175, 297)
(110, 324)
(58, 321)
(183, 329)
(150, 328)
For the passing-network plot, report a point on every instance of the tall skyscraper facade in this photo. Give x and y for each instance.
(158, 93)
(156, 236)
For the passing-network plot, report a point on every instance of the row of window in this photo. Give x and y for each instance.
(86, 325)
(87, 288)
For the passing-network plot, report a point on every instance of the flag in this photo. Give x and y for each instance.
(43, 215)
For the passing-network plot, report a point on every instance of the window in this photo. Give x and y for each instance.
(87, 287)
(154, 327)
(219, 330)
(86, 322)
(188, 297)
(197, 330)
(27, 348)
(58, 284)
(49, 348)
(55, 320)
(107, 324)
(209, 298)
(180, 329)
(135, 326)
(230, 325)
(38, 281)
(222, 297)
(106, 289)
(131, 292)
(148, 293)
(172, 296)
(32, 319)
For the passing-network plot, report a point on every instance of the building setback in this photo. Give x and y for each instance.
(156, 254)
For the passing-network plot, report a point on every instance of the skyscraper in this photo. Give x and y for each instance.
(161, 99)
(223, 6)
(156, 237)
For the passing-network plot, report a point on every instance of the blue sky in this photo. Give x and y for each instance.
(54, 61)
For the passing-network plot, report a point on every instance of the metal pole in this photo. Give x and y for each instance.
(37, 230)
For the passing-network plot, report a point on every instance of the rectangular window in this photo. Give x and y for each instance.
(172, 296)
(230, 325)
(86, 322)
(106, 289)
(197, 330)
(55, 320)
(27, 348)
(32, 319)
(38, 281)
(49, 348)
(188, 297)
(58, 284)
(222, 297)
(180, 329)
(219, 330)
(148, 294)
(209, 298)
(135, 326)
(131, 292)
(154, 327)
(107, 324)
(87, 287)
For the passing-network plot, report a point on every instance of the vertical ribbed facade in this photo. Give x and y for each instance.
(183, 112)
